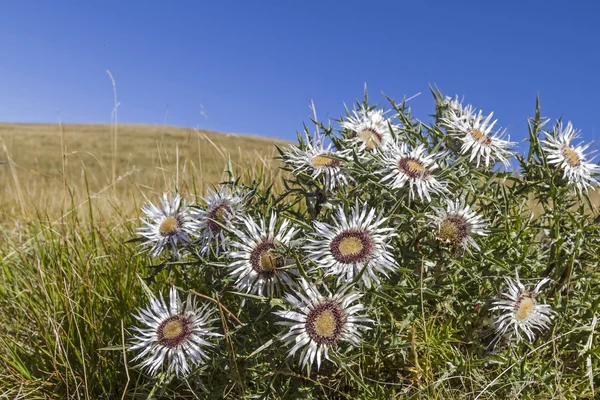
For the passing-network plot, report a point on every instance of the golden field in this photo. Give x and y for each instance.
(49, 171)
(50, 168)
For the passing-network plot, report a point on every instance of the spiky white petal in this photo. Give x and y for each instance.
(180, 349)
(571, 159)
(308, 305)
(258, 265)
(401, 166)
(352, 245)
(167, 225)
(453, 103)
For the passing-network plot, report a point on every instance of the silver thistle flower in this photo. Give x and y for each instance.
(458, 225)
(166, 226)
(521, 312)
(352, 245)
(319, 161)
(176, 334)
(371, 129)
(474, 130)
(223, 210)
(571, 159)
(402, 167)
(259, 267)
(318, 323)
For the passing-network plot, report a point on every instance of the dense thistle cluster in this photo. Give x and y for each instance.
(350, 239)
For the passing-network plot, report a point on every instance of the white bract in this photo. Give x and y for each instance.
(176, 334)
(571, 159)
(521, 312)
(259, 266)
(166, 226)
(453, 103)
(318, 323)
(354, 245)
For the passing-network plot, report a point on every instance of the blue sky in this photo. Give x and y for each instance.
(254, 67)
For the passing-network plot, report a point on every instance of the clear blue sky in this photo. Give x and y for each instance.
(254, 66)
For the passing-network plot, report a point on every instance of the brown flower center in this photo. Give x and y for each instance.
(264, 260)
(413, 168)
(371, 138)
(571, 156)
(453, 229)
(325, 323)
(217, 217)
(174, 331)
(524, 307)
(169, 226)
(351, 246)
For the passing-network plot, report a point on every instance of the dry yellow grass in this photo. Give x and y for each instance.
(47, 168)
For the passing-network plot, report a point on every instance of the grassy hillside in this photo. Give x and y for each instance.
(71, 278)
(70, 198)
(47, 168)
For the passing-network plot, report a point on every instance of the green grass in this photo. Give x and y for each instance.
(70, 280)
(69, 202)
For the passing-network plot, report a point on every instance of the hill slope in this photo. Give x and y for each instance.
(51, 167)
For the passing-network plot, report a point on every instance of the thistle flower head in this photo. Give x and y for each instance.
(572, 159)
(318, 323)
(167, 225)
(177, 334)
(475, 131)
(353, 245)
(319, 161)
(522, 312)
(258, 263)
(370, 129)
(458, 225)
(401, 167)
(222, 212)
